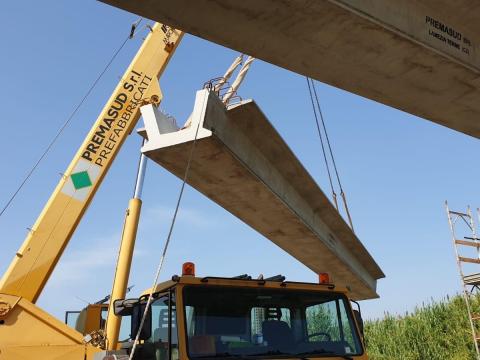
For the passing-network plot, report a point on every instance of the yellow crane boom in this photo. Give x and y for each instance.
(41, 250)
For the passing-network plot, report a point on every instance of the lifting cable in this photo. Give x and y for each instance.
(169, 235)
(313, 94)
(334, 194)
(72, 114)
(228, 74)
(223, 81)
(238, 80)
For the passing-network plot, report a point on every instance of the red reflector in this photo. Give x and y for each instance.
(323, 278)
(188, 268)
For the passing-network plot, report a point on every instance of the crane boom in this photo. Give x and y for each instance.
(44, 245)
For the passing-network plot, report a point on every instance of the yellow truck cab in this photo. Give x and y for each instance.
(230, 318)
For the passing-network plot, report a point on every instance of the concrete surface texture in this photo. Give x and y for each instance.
(422, 57)
(241, 163)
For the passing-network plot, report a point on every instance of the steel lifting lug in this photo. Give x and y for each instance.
(4, 309)
(154, 100)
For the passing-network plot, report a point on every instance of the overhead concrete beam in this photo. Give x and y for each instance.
(241, 163)
(420, 56)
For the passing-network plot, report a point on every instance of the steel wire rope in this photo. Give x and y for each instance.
(326, 135)
(70, 117)
(342, 193)
(169, 235)
(322, 143)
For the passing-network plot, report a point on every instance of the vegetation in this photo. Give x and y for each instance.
(434, 331)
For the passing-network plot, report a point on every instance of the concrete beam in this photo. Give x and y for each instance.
(241, 163)
(420, 56)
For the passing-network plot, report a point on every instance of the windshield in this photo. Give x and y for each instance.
(248, 322)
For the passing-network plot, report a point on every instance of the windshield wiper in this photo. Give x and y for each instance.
(279, 354)
(316, 352)
(225, 355)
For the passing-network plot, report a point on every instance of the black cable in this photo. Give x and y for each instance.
(321, 138)
(65, 124)
(342, 193)
(326, 136)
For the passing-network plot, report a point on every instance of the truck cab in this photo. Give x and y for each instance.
(227, 318)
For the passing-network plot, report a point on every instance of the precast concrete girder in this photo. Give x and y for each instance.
(241, 163)
(419, 56)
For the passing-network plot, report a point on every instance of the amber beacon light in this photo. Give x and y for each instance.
(323, 278)
(188, 268)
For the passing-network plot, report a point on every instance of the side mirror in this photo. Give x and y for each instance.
(135, 308)
(359, 320)
(124, 307)
(137, 314)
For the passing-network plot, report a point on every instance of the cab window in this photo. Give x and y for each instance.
(163, 342)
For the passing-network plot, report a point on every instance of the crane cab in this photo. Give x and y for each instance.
(89, 319)
(227, 318)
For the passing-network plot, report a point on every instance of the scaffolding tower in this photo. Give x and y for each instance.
(467, 252)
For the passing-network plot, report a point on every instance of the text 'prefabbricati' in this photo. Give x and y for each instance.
(115, 123)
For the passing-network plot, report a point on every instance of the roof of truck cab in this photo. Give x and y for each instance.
(249, 283)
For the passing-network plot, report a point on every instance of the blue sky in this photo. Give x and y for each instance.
(396, 169)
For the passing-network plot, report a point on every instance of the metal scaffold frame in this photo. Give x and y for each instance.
(470, 282)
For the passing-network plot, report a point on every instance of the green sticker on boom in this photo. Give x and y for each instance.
(81, 180)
